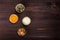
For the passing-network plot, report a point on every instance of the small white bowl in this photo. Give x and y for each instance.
(26, 20)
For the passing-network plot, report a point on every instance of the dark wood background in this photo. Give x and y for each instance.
(45, 16)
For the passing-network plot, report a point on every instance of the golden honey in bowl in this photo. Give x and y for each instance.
(13, 18)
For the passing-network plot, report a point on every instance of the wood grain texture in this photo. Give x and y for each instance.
(45, 15)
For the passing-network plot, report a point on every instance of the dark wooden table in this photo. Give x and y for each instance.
(45, 16)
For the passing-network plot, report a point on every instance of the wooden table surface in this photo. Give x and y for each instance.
(45, 16)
